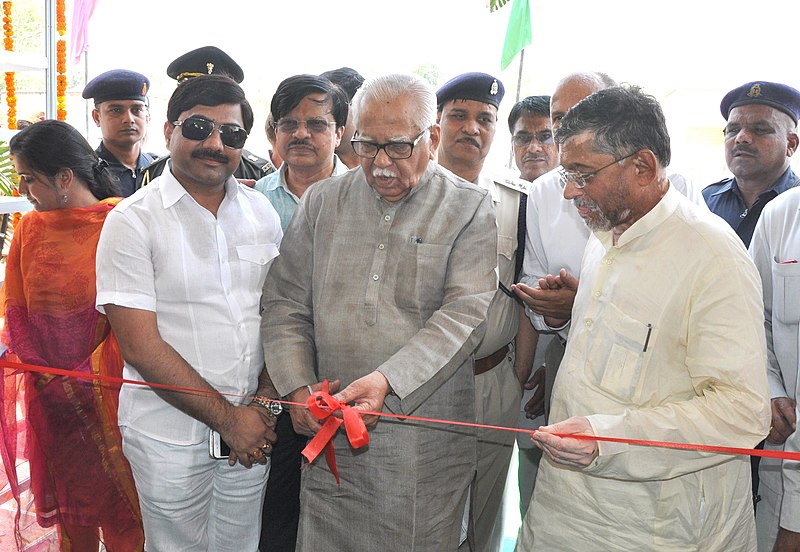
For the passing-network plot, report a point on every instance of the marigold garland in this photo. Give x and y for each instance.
(61, 62)
(8, 43)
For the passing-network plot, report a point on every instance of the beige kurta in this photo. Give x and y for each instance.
(362, 284)
(667, 344)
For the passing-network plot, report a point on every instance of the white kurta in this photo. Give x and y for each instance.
(776, 251)
(667, 344)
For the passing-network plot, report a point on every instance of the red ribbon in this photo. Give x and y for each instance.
(322, 405)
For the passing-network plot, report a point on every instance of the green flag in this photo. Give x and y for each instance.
(518, 34)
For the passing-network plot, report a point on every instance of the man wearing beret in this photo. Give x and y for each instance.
(121, 112)
(210, 60)
(467, 112)
(760, 137)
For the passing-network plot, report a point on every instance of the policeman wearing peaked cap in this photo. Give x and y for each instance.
(121, 111)
(210, 60)
(760, 138)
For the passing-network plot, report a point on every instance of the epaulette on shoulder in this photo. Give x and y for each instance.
(512, 182)
(265, 165)
(160, 161)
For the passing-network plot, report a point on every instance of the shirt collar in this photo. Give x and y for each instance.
(787, 180)
(172, 190)
(338, 168)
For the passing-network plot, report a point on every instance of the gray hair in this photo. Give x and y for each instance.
(623, 120)
(387, 88)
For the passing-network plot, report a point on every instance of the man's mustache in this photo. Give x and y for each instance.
(213, 155)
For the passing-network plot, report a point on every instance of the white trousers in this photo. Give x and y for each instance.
(192, 502)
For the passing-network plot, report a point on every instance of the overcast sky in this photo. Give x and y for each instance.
(688, 53)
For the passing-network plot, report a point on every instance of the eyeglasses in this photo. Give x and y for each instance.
(580, 180)
(523, 139)
(199, 128)
(394, 150)
(314, 126)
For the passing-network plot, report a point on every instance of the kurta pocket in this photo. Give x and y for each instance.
(424, 268)
(618, 353)
(786, 292)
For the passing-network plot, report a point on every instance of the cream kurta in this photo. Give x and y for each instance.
(667, 344)
(362, 284)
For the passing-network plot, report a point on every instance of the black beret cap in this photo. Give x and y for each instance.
(780, 96)
(208, 60)
(117, 84)
(472, 86)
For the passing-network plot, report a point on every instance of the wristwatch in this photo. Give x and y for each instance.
(274, 408)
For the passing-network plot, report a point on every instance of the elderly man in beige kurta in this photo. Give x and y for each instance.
(667, 344)
(385, 279)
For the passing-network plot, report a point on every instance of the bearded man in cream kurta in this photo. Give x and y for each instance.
(386, 278)
(667, 344)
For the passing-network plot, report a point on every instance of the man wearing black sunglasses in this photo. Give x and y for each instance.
(180, 271)
(210, 60)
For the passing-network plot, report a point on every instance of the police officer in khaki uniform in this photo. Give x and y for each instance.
(467, 114)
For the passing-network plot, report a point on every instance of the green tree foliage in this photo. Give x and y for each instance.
(428, 72)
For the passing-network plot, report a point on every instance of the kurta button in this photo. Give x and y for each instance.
(381, 247)
(387, 218)
(597, 294)
(375, 277)
(588, 322)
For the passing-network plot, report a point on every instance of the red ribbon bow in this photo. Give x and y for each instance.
(322, 405)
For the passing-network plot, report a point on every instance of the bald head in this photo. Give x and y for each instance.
(572, 89)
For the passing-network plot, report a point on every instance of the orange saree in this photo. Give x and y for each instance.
(65, 428)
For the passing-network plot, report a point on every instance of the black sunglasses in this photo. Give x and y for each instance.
(199, 128)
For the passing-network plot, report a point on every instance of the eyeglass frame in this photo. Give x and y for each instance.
(214, 126)
(581, 180)
(276, 125)
(378, 147)
(533, 136)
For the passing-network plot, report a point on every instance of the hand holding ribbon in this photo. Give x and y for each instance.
(322, 405)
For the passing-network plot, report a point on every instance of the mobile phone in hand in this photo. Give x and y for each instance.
(217, 448)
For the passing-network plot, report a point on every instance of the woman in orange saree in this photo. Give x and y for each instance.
(80, 481)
